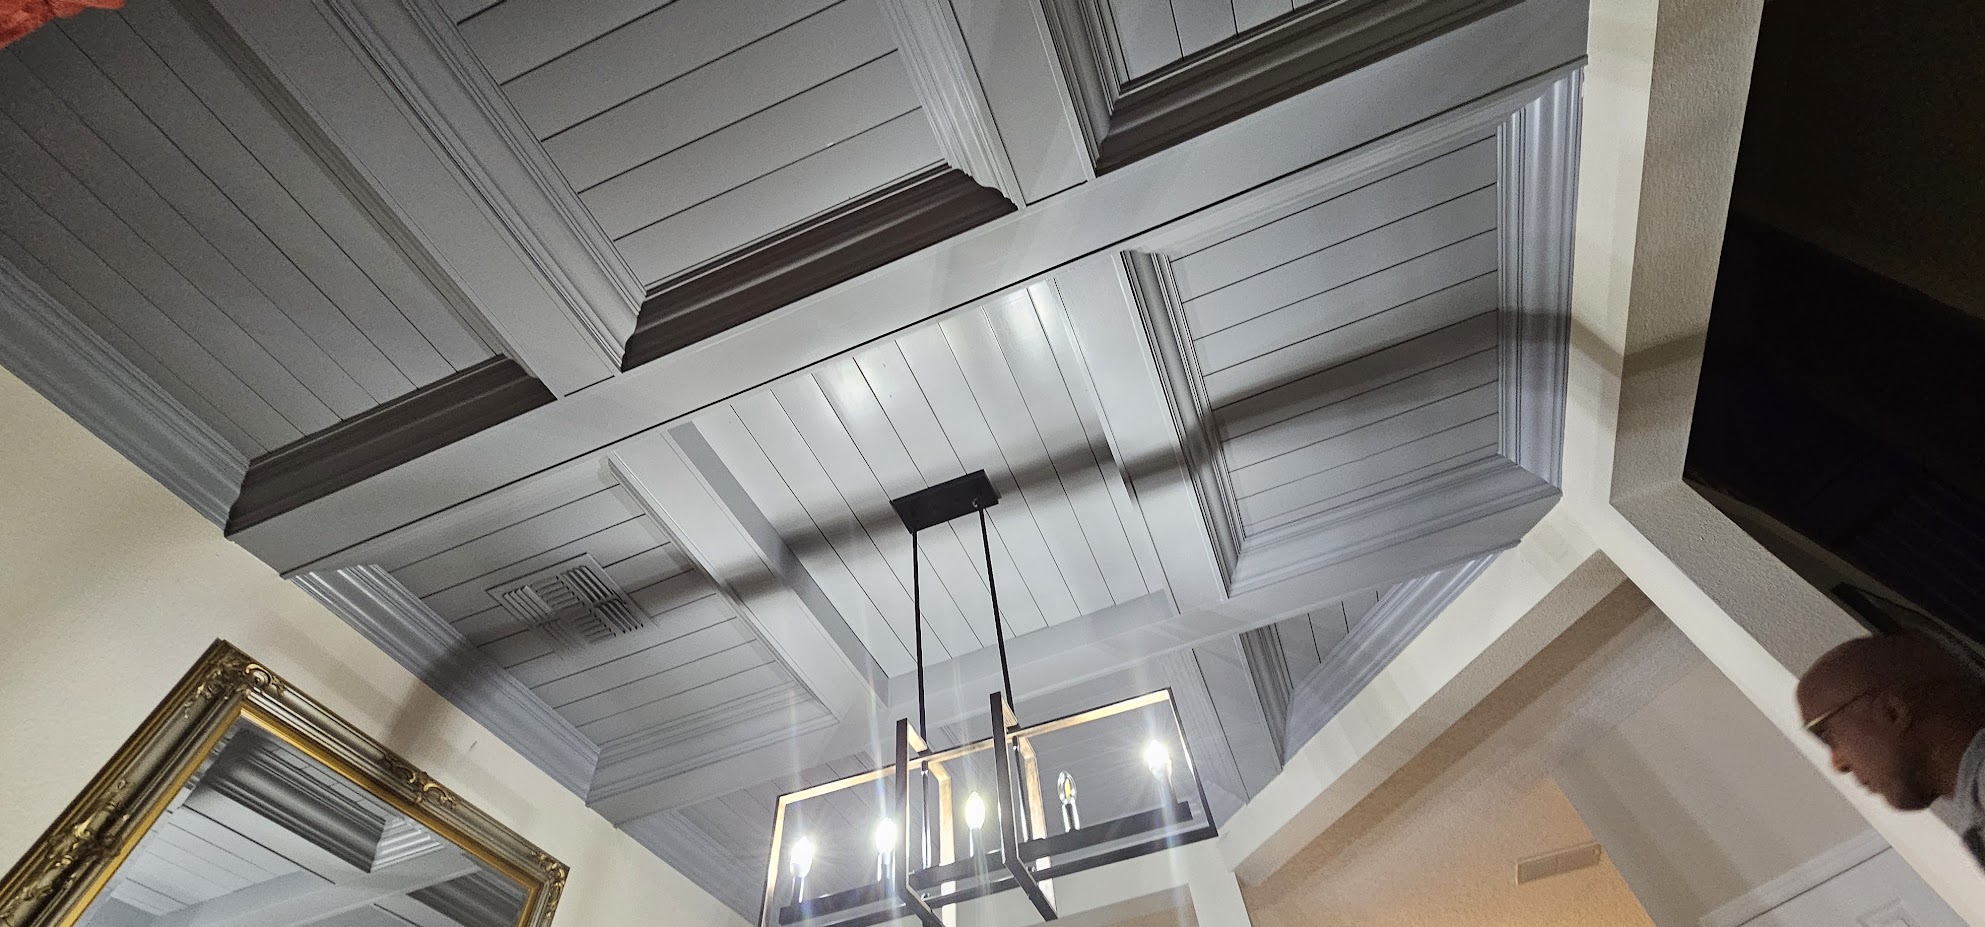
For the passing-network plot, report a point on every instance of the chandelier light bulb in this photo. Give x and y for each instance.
(885, 836)
(1065, 785)
(975, 811)
(802, 857)
(1158, 759)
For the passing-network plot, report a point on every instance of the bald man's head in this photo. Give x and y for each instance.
(1894, 710)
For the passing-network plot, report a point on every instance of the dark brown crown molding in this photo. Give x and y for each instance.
(1251, 71)
(803, 259)
(380, 439)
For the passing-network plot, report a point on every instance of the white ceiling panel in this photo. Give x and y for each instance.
(161, 198)
(996, 387)
(693, 654)
(831, 175)
(692, 128)
(1350, 347)
(758, 77)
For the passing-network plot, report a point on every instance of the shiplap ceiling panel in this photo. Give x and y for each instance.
(997, 388)
(34, 123)
(693, 655)
(162, 199)
(1155, 33)
(518, 36)
(1203, 22)
(832, 175)
(102, 135)
(1350, 346)
(826, 114)
(693, 128)
(1251, 13)
(762, 75)
(459, 10)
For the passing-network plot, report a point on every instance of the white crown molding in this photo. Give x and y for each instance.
(933, 49)
(1798, 880)
(1537, 186)
(1402, 613)
(684, 845)
(378, 607)
(1083, 36)
(447, 92)
(1479, 118)
(62, 359)
(1424, 507)
(1155, 293)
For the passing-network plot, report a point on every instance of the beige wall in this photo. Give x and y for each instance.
(1451, 865)
(113, 588)
(1700, 799)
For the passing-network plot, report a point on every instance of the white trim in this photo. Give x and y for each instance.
(446, 91)
(1146, 436)
(1158, 305)
(1797, 881)
(682, 844)
(1537, 182)
(1402, 613)
(378, 607)
(933, 49)
(1082, 36)
(790, 614)
(72, 367)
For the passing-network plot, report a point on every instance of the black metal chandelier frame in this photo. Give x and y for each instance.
(1026, 856)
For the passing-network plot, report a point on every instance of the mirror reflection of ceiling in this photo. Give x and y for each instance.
(266, 836)
(573, 352)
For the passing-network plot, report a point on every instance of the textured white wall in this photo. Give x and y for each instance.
(114, 587)
(1700, 799)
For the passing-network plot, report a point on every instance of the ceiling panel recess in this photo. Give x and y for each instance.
(998, 388)
(695, 127)
(160, 198)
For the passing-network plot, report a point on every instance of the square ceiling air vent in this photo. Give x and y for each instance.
(573, 603)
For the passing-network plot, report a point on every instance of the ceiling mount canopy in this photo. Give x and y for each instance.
(907, 839)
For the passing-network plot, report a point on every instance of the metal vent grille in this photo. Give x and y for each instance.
(573, 604)
(1554, 864)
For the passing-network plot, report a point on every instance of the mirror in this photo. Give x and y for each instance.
(243, 803)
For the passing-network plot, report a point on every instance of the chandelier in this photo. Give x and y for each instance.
(937, 828)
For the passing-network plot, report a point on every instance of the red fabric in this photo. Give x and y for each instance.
(20, 17)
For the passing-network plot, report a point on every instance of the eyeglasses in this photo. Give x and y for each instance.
(1817, 726)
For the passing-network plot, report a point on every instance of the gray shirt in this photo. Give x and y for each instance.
(1968, 805)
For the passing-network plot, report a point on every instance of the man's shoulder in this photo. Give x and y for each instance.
(1970, 797)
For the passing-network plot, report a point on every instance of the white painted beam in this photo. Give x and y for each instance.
(679, 479)
(1146, 437)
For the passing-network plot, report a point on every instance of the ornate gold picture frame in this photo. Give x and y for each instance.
(81, 852)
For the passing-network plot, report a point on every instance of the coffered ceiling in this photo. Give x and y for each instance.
(573, 353)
